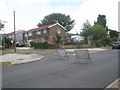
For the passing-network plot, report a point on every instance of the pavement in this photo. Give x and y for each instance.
(20, 58)
(114, 84)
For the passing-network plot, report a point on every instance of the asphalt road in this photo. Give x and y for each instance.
(54, 72)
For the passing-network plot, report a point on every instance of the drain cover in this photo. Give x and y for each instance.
(20, 59)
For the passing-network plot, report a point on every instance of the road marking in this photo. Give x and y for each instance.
(116, 81)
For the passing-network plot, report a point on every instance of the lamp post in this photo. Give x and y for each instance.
(14, 32)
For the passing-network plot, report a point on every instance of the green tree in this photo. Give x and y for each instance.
(63, 19)
(101, 20)
(46, 37)
(86, 31)
(6, 42)
(32, 43)
(1, 25)
(99, 35)
(113, 34)
(58, 38)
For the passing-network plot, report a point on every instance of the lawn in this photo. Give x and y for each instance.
(5, 63)
(8, 52)
(107, 47)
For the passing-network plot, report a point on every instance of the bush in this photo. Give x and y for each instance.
(6, 42)
(68, 47)
(32, 43)
(83, 46)
(44, 45)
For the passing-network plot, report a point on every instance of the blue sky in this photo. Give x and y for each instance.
(73, 3)
(30, 12)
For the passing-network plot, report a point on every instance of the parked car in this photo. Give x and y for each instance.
(2, 47)
(19, 44)
(116, 45)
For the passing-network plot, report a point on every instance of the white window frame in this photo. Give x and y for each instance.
(10, 36)
(25, 34)
(30, 34)
(58, 31)
(45, 31)
(38, 32)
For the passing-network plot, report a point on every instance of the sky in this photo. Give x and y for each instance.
(28, 13)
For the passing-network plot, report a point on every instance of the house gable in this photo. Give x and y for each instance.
(38, 34)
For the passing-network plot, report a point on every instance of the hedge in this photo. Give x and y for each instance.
(44, 45)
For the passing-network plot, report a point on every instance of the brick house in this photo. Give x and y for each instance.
(39, 34)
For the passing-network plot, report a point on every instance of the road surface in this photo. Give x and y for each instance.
(54, 72)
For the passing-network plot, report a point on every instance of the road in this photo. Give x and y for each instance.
(54, 72)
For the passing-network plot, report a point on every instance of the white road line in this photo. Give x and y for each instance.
(109, 86)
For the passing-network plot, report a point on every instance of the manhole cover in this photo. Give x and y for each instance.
(20, 59)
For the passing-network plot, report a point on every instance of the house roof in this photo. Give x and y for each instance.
(46, 26)
(13, 32)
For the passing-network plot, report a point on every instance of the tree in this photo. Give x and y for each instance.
(63, 19)
(113, 34)
(86, 31)
(46, 37)
(6, 42)
(58, 38)
(1, 25)
(99, 35)
(101, 20)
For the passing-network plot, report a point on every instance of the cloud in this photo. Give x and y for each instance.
(92, 8)
(30, 12)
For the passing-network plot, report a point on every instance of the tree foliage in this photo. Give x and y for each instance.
(99, 36)
(6, 42)
(98, 32)
(1, 25)
(101, 20)
(113, 34)
(63, 19)
(86, 29)
(58, 38)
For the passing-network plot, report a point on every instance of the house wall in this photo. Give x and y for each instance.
(54, 30)
(50, 32)
(38, 37)
(19, 36)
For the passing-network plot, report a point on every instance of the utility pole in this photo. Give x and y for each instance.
(14, 33)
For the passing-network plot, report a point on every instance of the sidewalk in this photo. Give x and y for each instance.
(91, 50)
(115, 84)
(20, 58)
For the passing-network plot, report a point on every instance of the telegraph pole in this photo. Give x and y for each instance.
(14, 33)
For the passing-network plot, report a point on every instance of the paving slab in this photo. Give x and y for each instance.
(20, 58)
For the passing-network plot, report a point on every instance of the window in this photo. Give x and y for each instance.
(38, 32)
(58, 31)
(44, 31)
(30, 34)
(10, 36)
(26, 35)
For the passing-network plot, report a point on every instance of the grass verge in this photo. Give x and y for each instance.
(107, 47)
(5, 63)
(46, 50)
(8, 52)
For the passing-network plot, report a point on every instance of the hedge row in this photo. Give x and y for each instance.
(44, 45)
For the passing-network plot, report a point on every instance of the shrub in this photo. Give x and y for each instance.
(32, 43)
(68, 46)
(44, 45)
(83, 46)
